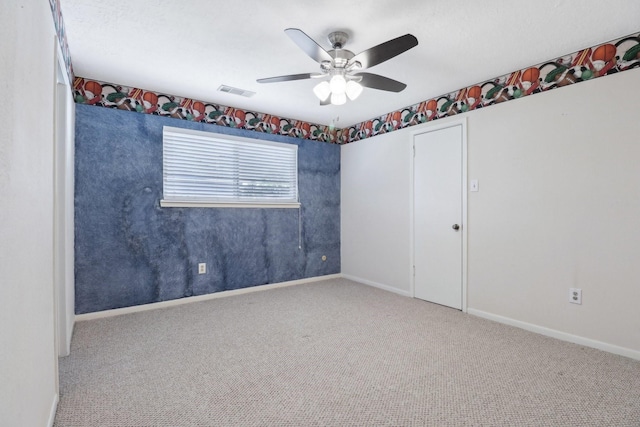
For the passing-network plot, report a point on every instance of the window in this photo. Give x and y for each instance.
(210, 169)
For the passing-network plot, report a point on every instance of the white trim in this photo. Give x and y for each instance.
(191, 204)
(53, 410)
(378, 285)
(587, 342)
(462, 122)
(63, 189)
(60, 61)
(465, 223)
(72, 327)
(412, 257)
(199, 298)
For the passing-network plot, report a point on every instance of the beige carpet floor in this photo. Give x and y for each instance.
(334, 353)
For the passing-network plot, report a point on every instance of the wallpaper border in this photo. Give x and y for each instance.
(110, 95)
(604, 59)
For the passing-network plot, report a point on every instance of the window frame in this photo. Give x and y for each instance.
(220, 202)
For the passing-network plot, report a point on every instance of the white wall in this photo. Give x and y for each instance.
(28, 371)
(558, 207)
(374, 217)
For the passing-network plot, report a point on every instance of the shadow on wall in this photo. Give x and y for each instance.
(130, 251)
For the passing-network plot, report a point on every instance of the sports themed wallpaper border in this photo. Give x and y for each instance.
(58, 22)
(607, 58)
(93, 92)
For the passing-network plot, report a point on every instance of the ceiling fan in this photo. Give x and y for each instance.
(343, 68)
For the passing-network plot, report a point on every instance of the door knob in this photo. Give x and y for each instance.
(455, 227)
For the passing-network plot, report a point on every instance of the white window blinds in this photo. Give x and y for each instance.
(204, 168)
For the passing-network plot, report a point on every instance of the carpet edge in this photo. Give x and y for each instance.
(187, 300)
(553, 333)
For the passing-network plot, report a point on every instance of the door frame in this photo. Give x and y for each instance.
(63, 205)
(462, 122)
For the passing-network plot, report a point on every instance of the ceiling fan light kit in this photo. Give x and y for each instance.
(343, 68)
(336, 88)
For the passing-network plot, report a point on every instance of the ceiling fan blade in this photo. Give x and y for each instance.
(308, 45)
(290, 77)
(385, 51)
(376, 81)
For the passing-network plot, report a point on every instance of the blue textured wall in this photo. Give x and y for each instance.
(130, 251)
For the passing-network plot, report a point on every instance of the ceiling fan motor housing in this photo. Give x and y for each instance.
(341, 57)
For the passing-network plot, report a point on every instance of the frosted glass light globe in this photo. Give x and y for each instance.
(322, 90)
(338, 98)
(338, 84)
(353, 90)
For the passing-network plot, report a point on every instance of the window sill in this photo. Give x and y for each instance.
(256, 205)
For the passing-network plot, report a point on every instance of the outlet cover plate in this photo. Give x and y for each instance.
(575, 296)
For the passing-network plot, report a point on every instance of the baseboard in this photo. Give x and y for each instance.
(52, 412)
(188, 300)
(587, 342)
(377, 285)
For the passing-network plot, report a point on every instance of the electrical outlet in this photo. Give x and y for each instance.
(575, 295)
(202, 268)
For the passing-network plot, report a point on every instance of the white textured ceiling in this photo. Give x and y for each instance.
(189, 48)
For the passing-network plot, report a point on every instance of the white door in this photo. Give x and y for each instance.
(438, 203)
